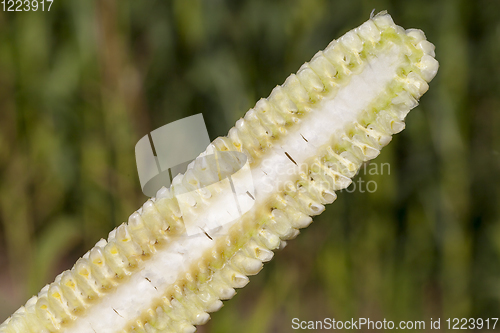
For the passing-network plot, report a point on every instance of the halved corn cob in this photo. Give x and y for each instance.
(302, 143)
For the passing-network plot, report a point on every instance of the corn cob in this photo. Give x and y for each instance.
(303, 143)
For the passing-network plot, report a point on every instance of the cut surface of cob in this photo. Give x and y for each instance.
(301, 144)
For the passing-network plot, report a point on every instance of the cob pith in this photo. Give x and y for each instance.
(303, 143)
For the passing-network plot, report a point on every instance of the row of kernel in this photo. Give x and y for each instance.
(187, 307)
(321, 76)
(96, 273)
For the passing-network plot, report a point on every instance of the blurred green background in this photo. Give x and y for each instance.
(79, 85)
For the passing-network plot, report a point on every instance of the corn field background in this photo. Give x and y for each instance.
(81, 84)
